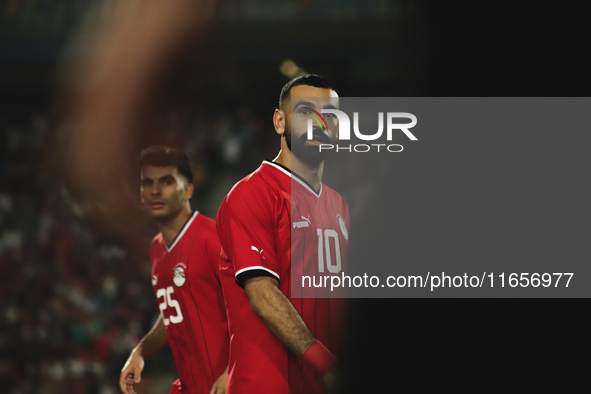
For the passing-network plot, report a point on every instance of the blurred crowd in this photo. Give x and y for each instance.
(76, 294)
(75, 297)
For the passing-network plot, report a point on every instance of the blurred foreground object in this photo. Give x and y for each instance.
(115, 84)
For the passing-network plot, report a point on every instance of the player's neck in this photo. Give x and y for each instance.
(311, 174)
(170, 228)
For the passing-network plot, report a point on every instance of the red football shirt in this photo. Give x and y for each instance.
(255, 226)
(185, 276)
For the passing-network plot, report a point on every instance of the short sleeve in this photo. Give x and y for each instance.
(246, 227)
(213, 252)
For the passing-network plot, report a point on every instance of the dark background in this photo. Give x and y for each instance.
(76, 296)
(509, 345)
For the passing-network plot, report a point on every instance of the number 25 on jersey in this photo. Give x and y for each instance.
(168, 302)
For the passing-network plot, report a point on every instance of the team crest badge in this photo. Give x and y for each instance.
(179, 274)
(343, 227)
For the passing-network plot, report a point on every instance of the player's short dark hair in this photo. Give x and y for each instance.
(309, 80)
(165, 156)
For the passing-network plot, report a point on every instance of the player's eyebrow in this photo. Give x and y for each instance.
(166, 178)
(305, 104)
(313, 106)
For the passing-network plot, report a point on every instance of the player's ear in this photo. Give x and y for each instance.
(279, 121)
(189, 188)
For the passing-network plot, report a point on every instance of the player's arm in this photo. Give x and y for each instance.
(219, 386)
(246, 229)
(278, 313)
(151, 343)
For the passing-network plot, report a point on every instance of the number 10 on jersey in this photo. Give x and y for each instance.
(325, 239)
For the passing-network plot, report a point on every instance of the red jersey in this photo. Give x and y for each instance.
(185, 277)
(262, 231)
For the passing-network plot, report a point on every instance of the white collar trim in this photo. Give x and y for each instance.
(180, 235)
(296, 178)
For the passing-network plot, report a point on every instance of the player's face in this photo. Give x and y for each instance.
(164, 191)
(304, 101)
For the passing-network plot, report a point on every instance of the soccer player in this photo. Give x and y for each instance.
(185, 258)
(281, 344)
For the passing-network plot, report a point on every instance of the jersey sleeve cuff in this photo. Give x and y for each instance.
(252, 272)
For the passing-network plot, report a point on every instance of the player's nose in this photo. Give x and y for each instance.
(155, 189)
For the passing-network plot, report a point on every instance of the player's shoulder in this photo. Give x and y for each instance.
(265, 181)
(332, 193)
(203, 230)
(199, 226)
(203, 221)
(157, 243)
(157, 240)
(335, 199)
(204, 226)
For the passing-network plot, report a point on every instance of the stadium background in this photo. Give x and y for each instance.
(75, 291)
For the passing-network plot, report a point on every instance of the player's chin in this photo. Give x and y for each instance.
(312, 155)
(158, 212)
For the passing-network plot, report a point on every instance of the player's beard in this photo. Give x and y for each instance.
(309, 154)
